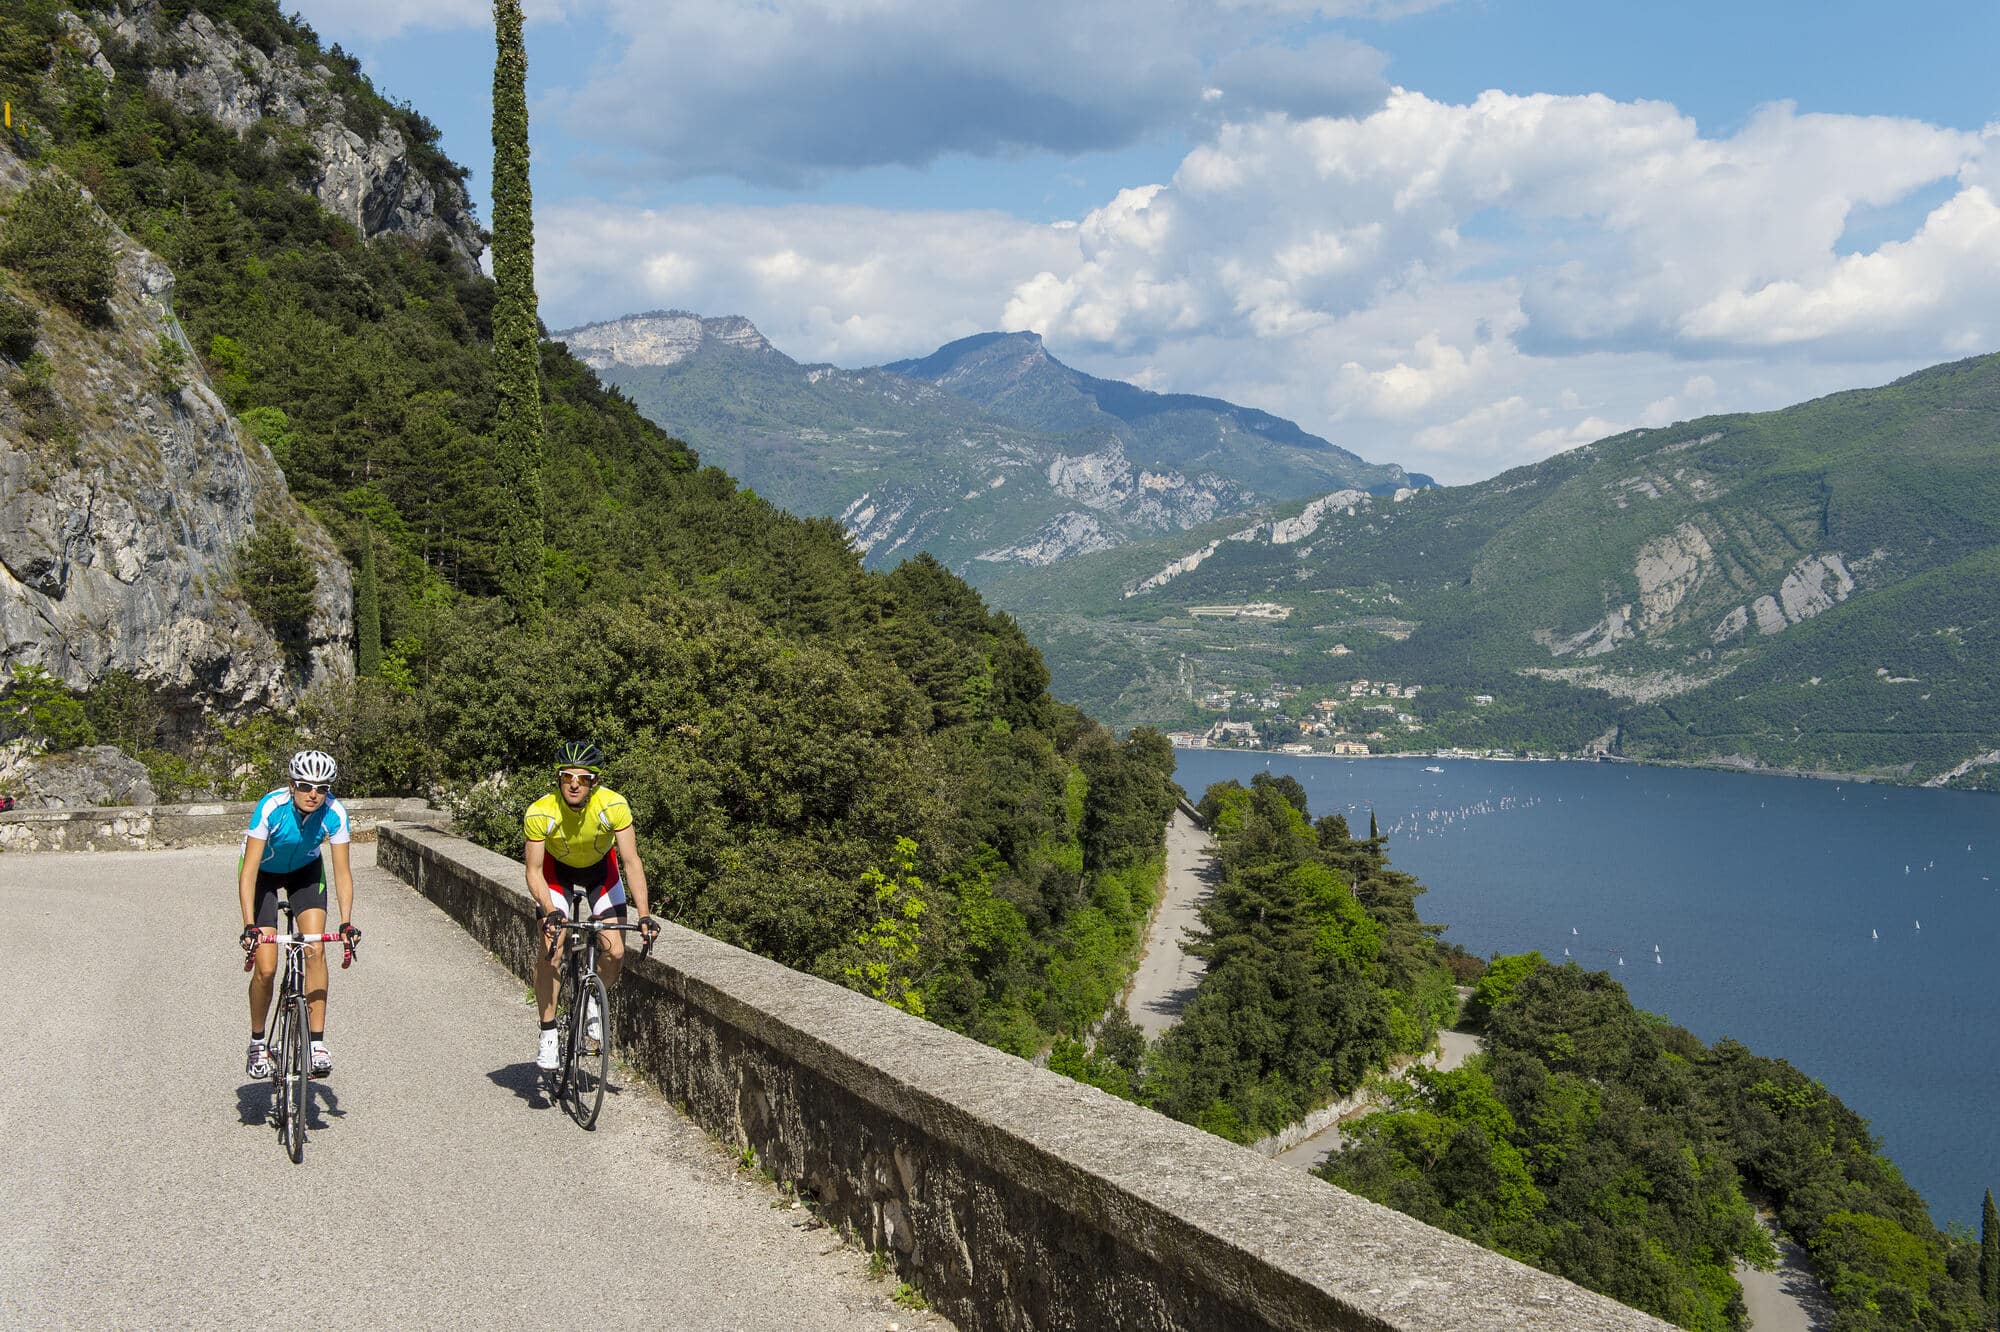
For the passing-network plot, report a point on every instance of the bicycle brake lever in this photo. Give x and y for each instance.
(346, 955)
(249, 961)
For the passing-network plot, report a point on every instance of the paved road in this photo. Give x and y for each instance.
(1453, 1049)
(1789, 1299)
(1167, 977)
(141, 1187)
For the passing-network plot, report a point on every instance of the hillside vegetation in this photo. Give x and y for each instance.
(1589, 1139)
(857, 773)
(1810, 588)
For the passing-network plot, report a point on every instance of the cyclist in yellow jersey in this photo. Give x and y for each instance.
(580, 836)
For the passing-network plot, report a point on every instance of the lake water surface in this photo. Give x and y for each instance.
(1851, 929)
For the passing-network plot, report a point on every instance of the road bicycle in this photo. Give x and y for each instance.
(583, 1064)
(291, 1033)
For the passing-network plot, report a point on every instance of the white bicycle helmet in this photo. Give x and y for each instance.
(309, 765)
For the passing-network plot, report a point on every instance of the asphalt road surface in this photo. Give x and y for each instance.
(141, 1186)
(1167, 976)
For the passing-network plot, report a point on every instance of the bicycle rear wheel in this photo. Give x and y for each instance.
(589, 1061)
(298, 1096)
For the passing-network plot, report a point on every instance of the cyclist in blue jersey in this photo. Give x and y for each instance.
(282, 853)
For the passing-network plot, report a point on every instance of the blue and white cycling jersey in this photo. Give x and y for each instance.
(292, 842)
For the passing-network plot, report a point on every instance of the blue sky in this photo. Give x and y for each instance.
(1460, 236)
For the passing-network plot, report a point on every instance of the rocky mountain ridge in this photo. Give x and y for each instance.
(989, 453)
(658, 338)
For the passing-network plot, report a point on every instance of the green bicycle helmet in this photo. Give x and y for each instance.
(579, 754)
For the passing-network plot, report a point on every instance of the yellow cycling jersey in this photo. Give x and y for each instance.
(578, 837)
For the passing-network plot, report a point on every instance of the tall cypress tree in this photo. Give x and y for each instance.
(367, 610)
(517, 428)
(1989, 1255)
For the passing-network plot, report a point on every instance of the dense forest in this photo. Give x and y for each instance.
(859, 774)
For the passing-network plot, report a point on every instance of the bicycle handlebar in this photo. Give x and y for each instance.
(599, 926)
(347, 952)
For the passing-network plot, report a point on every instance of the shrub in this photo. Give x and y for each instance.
(59, 244)
(41, 706)
(34, 390)
(18, 329)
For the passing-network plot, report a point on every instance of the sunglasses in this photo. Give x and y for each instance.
(324, 788)
(577, 778)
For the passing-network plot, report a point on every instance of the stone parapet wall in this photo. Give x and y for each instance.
(1011, 1197)
(158, 827)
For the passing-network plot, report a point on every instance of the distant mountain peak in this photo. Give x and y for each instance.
(660, 337)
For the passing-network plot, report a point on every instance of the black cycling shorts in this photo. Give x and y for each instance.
(304, 889)
(602, 886)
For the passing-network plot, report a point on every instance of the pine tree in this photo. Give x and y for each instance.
(517, 429)
(367, 610)
(1989, 1255)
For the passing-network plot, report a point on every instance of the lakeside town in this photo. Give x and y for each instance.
(1354, 719)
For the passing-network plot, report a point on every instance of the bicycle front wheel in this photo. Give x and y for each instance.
(589, 1060)
(298, 1095)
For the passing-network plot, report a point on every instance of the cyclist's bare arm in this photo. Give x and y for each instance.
(343, 881)
(629, 866)
(538, 882)
(246, 878)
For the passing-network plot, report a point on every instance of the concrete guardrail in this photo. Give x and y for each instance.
(155, 827)
(1011, 1197)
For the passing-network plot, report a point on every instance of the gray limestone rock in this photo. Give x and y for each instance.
(117, 541)
(82, 779)
(369, 182)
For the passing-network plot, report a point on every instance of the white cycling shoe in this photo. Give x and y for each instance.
(257, 1061)
(593, 1025)
(547, 1057)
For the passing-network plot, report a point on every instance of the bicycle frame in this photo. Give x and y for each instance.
(288, 1027)
(578, 988)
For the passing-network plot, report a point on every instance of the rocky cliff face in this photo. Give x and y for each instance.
(659, 337)
(117, 532)
(209, 69)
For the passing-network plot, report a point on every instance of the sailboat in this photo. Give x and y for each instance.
(1656, 957)
(1920, 924)
(1874, 934)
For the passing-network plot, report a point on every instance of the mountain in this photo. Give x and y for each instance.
(1809, 588)
(989, 453)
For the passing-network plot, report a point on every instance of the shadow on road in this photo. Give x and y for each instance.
(525, 1081)
(255, 1102)
(1173, 1002)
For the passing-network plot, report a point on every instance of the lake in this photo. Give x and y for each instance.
(1851, 929)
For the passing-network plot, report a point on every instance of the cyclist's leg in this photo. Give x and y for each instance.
(308, 899)
(545, 970)
(264, 968)
(609, 904)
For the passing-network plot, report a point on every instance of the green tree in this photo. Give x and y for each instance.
(1989, 1255)
(367, 610)
(61, 246)
(278, 581)
(517, 425)
(42, 706)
